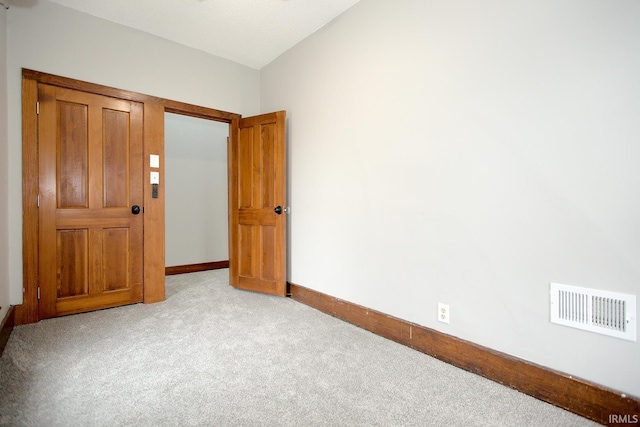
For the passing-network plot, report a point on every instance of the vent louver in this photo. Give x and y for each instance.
(603, 312)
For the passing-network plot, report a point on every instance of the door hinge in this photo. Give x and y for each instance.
(38, 200)
(38, 292)
(37, 107)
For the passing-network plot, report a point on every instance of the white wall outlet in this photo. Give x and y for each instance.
(155, 177)
(443, 313)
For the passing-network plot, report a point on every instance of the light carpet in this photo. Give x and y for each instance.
(211, 355)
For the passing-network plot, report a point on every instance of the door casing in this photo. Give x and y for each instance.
(153, 143)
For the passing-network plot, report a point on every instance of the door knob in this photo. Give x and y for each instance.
(135, 209)
(279, 210)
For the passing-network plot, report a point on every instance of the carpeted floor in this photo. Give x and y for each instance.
(215, 356)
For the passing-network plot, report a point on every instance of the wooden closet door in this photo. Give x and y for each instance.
(90, 162)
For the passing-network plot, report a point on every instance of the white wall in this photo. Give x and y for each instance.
(4, 164)
(54, 39)
(470, 153)
(196, 221)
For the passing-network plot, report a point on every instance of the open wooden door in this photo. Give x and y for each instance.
(257, 204)
(90, 201)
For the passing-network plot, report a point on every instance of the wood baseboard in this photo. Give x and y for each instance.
(192, 268)
(5, 329)
(581, 397)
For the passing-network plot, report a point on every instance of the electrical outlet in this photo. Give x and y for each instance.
(443, 313)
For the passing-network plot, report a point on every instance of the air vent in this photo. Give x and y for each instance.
(603, 312)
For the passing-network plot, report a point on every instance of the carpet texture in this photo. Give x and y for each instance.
(211, 355)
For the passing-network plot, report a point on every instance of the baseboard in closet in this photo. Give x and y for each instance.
(192, 268)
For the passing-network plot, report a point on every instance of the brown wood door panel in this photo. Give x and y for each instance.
(90, 163)
(105, 300)
(257, 162)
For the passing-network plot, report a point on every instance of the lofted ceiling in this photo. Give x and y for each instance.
(250, 32)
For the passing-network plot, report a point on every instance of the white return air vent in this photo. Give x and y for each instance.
(603, 312)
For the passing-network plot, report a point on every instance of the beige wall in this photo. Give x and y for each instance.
(196, 210)
(470, 153)
(4, 165)
(51, 38)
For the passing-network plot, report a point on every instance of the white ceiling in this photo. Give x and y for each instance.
(251, 32)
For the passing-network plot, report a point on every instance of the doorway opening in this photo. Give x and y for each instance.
(196, 194)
